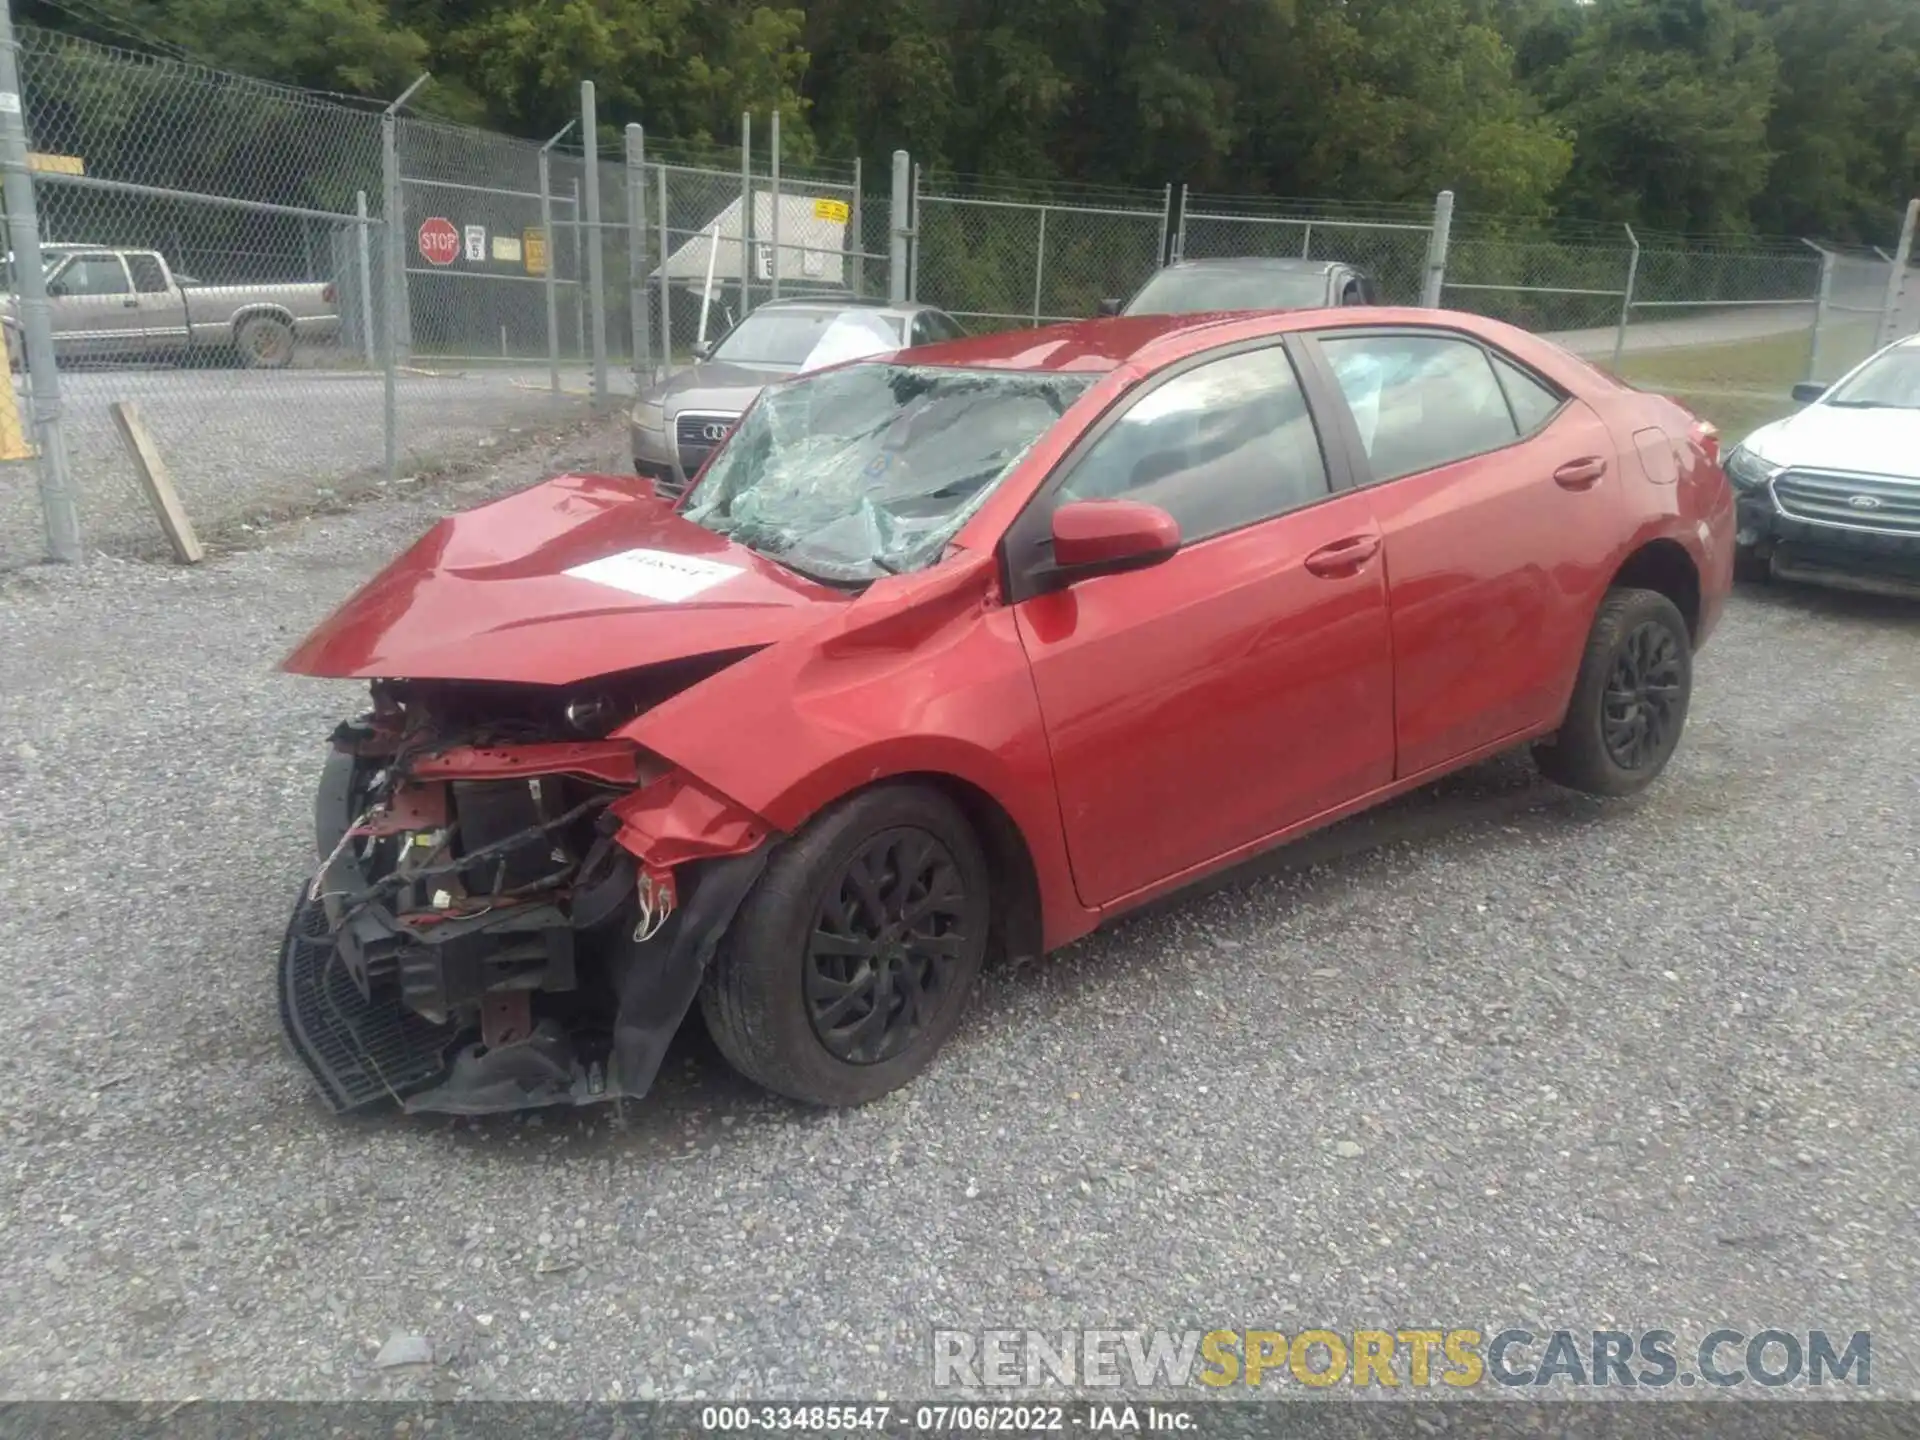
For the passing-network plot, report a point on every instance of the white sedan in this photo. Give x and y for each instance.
(1831, 495)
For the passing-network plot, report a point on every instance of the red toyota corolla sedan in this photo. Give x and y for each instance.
(960, 652)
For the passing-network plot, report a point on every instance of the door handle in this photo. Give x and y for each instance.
(1342, 557)
(1580, 474)
(131, 303)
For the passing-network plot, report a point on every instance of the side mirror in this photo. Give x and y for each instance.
(1102, 537)
(1808, 391)
(702, 350)
(1111, 306)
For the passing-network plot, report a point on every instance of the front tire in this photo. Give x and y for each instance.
(1629, 701)
(265, 343)
(852, 960)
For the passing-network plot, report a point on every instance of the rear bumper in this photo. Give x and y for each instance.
(373, 1007)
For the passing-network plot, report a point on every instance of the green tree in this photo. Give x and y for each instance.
(1667, 101)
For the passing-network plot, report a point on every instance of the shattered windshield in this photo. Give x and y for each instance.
(870, 470)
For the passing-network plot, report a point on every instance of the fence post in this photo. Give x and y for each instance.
(1896, 282)
(596, 259)
(1166, 216)
(746, 218)
(1180, 235)
(666, 286)
(1438, 242)
(898, 219)
(399, 316)
(57, 503)
(363, 263)
(859, 235)
(913, 241)
(550, 282)
(579, 276)
(637, 256)
(1039, 264)
(1820, 307)
(774, 181)
(1306, 243)
(1626, 300)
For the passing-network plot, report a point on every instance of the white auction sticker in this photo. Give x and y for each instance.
(655, 574)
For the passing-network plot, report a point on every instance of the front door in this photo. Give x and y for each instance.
(1245, 684)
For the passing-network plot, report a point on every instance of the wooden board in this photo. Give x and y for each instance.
(157, 484)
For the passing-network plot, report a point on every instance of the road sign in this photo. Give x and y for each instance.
(439, 241)
(476, 243)
(533, 244)
(506, 248)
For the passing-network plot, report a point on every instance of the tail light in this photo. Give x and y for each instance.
(329, 294)
(1707, 436)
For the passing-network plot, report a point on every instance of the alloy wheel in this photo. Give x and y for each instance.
(886, 945)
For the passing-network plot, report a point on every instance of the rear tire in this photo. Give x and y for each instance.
(1629, 701)
(852, 959)
(265, 343)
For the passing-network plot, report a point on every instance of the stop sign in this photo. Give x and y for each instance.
(439, 241)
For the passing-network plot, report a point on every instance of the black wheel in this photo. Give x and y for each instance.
(1630, 700)
(851, 961)
(265, 343)
(1750, 567)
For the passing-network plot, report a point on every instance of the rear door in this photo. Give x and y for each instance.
(1239, 687)
(1499, 498)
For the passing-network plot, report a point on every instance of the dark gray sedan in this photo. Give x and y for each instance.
(678, 421)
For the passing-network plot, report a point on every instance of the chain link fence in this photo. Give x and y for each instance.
(996, 256)
(291, 295)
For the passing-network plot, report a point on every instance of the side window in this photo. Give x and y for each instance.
(929, 328)
(1534, 403)
(93, 275)
(1420, 401)
(149, 275)
(1223, 445)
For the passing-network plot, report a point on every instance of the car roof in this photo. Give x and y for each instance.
(844, 302)
(1098, 346)
(1262, 265)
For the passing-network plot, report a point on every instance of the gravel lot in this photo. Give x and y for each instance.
(1498, 1055)
(241, 443)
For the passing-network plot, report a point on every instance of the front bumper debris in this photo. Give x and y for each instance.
(380, 1008)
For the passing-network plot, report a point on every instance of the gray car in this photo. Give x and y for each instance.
(677, 422)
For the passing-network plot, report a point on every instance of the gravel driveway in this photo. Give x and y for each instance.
(1498, 1055)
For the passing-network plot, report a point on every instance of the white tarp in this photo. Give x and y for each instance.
(813, 241)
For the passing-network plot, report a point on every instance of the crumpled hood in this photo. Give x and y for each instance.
(1833, 437)
(578, 577)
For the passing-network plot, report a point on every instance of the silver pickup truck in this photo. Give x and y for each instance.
(130, 305)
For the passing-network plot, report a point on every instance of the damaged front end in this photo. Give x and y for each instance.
(505, 914)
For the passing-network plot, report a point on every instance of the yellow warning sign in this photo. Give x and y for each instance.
(834, 210)
(13, 437)
(533, 248)
(57, 164)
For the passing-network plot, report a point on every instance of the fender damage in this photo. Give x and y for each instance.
(496, 927)
(514, 904)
